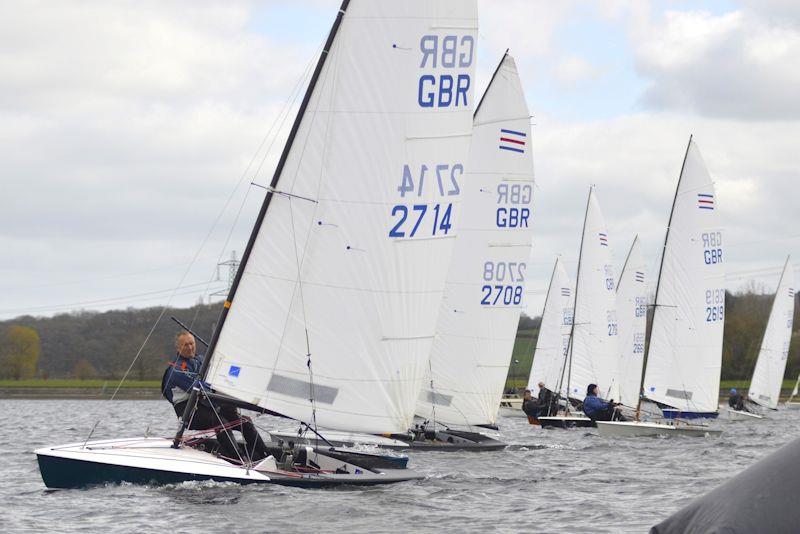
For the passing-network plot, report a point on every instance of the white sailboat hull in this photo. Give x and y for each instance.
(154, 461)
(511, 407)
(640, 428)
(792, 405)
(736, 415)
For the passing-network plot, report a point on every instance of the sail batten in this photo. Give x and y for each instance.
(332, 320)
(485, 287)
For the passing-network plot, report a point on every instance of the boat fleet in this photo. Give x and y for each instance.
(377, 302)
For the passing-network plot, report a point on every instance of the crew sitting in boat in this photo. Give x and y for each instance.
(736, 400)
(530, 406)
(597, 409)
(547, 401)
(180, 376)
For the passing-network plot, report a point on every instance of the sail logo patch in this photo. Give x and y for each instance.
(512, 140)
(639, 276)
(234, 371)
(565, 291)
(603, 239)
(791, 293)
(705, 201)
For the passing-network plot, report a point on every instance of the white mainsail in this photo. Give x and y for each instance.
(685, 353)
(553, 341)
(348, 263)
(594, 349)
(483, 297)
(765, 387)
(632, 324)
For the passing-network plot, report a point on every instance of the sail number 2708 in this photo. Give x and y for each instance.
(509, 277)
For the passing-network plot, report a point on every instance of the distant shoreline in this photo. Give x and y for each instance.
(81, 393)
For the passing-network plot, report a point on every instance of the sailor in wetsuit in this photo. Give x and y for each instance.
(597, 409)
(176, 385)
(736, 401)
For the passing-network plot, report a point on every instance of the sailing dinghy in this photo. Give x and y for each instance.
(332, 313)
(765, 386)
(684, 357)
(592, 355)
(552, 342)
(485, 289)
(483, 296)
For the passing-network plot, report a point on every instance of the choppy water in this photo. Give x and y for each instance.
(563, 481)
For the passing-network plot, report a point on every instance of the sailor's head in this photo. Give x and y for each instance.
(592, 390)
(540, 384)
(527, 394)
(185, 345)
(733, 391)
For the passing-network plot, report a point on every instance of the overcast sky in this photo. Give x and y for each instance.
(125, 128)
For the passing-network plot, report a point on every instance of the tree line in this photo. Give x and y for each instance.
(90, 344)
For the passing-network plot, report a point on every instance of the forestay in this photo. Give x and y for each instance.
(485, 288)
(349, 261)
(594, 351)
(685, 354)
(553, 341)
(765, 388)
(632, 323)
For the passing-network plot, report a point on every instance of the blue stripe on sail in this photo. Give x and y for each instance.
(705, 195)
(513, 132)
(511, 149)
(706, 207)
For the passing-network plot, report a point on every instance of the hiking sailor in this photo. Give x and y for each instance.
(597, 409)
(176, 384)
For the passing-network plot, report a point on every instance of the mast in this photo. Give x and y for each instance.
(624, 265)
(658, 280)
(489, 85)
(187, 413)
(575, 302)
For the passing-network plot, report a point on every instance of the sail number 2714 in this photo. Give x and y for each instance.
(421, 219)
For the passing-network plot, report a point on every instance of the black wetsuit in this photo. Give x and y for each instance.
(546, 402)
(176, 384)
(736, 401)
(531, 408)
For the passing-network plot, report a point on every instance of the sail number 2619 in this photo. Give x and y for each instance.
(715, 305)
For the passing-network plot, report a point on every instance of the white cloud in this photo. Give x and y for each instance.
(572, 70)
(738, 64)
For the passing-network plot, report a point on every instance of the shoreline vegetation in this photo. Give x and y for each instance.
(98, 389)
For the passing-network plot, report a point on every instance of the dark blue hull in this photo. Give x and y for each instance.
(670, 413)
(67, 473)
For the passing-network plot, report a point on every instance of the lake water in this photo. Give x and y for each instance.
(550, 481)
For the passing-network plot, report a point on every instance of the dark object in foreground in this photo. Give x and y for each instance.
(762, 498)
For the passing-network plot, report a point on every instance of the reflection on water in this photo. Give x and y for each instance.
(549, 480)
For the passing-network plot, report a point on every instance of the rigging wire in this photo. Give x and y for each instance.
(192, 262)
